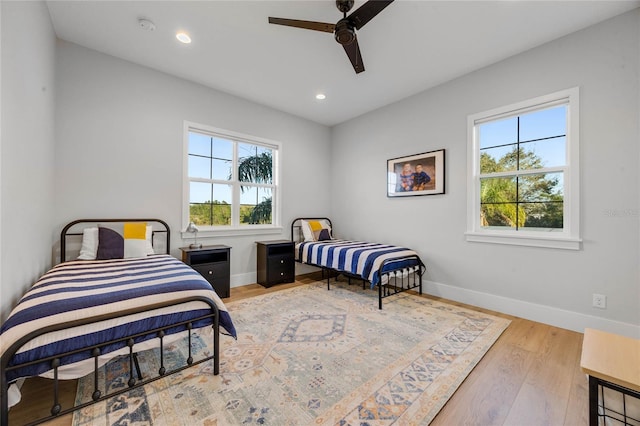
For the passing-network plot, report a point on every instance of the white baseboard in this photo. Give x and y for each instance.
(243, 279)
(556, 317)
(531, 311)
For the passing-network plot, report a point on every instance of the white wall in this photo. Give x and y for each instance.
(119, 147)
(552, 286)
(27, 146)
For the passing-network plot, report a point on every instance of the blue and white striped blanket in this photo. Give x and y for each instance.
(357, 258)
(81, 289)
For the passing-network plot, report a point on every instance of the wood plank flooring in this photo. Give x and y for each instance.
(531, 376)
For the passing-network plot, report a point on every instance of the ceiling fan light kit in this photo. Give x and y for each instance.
(344, 31)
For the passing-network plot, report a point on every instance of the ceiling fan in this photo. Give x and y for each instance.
(345, 29)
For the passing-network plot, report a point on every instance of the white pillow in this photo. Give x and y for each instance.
(306, 230)
(148, 245)
(89, 248)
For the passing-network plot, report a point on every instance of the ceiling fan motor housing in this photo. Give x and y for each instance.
(344, 5)
(345, 32)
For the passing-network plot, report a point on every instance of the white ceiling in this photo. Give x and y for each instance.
(410, 46)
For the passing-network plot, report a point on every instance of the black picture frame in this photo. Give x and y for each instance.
(418, 174)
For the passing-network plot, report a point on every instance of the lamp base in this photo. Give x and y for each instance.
(195, 245)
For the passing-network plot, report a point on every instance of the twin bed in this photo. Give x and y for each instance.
(391, 269)
(83, 313)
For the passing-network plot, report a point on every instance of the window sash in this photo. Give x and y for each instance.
(568, 237)
(234, 183)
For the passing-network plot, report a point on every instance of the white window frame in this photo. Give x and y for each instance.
(569, 238)
(235, 228)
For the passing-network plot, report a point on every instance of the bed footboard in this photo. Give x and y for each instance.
(96, 350)
(399, 274)
(395, 275)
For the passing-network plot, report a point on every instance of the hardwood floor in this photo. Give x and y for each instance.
(531, 376)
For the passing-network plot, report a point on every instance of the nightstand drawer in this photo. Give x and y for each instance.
(217, 274)
(213, 263)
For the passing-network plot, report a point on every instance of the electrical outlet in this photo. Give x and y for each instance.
(599, 301)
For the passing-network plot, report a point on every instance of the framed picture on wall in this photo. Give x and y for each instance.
(419, 174)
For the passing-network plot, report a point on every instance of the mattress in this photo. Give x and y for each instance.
(358, 258)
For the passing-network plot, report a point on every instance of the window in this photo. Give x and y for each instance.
(231, 180)
(523, 173)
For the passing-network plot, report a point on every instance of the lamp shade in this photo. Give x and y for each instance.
(191, 227)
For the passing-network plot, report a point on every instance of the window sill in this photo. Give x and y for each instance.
(525, 240)
(232, 232)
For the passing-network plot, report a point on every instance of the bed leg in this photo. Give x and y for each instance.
(380, 294)
(4, 397)
(329, 281)
(137, 364)
(161, 370)
(216, 344)
(96, 392)
(132, 380)
(190, 358)
(56, 403)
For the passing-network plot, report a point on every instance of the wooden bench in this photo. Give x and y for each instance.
(612, 362)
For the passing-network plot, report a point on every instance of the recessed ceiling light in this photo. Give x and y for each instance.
(183, 37)
(320, 96)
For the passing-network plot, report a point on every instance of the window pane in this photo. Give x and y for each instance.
(255, 205)
(498, 202)
(500, 132)
(222, 169)
(199, 144)
(543, 216)
(223, 149)
(210, 204)
(200, 192)
(498, 190)
(255, 164)
(544, 123)
(544, 153)
(504, 215)
(500, 159)
(199, 167)
(541, 187)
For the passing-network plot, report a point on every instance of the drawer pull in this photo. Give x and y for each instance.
(281, 261)
(210, 272)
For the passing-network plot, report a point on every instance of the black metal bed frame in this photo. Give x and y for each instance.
(409, 278)
(97, 396)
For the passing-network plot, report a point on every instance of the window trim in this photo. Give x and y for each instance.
(569, 238)
(237, 229)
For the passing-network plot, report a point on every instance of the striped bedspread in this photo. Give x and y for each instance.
(81, 289)
(355, 257)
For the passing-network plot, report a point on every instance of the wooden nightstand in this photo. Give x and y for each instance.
(276, 263)
(212, 262)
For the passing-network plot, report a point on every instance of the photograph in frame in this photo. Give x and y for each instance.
(419, 174)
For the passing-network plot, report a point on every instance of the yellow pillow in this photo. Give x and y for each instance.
(137, 239)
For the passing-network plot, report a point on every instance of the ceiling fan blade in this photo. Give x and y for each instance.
(367, 12)
(353, 52)
(308, 25)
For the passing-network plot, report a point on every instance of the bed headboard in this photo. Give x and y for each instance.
(296, 227)
(74, 230)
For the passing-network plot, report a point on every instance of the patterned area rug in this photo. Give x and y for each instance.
(307, 356)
